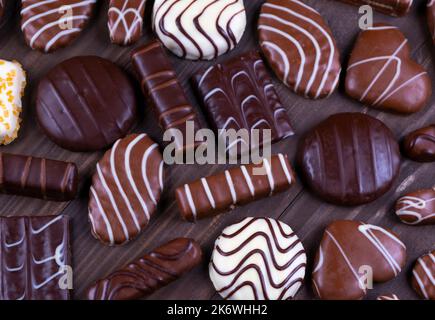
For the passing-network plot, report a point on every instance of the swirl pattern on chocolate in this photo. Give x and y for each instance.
(419, 145)
(126, 188)
(149, 273)
(390, 296)
(423, 276)
(417, 208)
(199, 29)
(258, 259)
(396, 8)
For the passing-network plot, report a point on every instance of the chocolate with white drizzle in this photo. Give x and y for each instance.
(431, 18)
(349, 253)
(149, 273)
(199, 29)
(258, 259)
(224, 191)
(417, 208)
(395, 8)
(390, 296)
(300, 47)
(419, 145)
(384, 76)
(35, 252)
(423, 276)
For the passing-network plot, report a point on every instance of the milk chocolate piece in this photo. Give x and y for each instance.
(419, 145)
(390, 296)
(299, 47)
(239, 94)
(38, 177)
(423, 276)
(222, 192)
(417, 208)
(431, 18)
(349, 159)
(85, 104)
(348, 253)
(382, 74)
(35, 255)
(160, 84)
(149, 273)
(395, 8)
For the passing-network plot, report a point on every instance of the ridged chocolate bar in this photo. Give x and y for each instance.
(396, 8)
(38, 177)
(224, 191)
(149, 273)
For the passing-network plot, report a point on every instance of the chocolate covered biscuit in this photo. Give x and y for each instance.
(396, 8)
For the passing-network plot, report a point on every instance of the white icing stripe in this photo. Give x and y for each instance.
(320, 262)
(420, 284)
(190, 200)
(16, 243)
(161, 171)
(266, 165)
(45, 226)
(427, 271)
(404, 84)
(103, 215)
(122, 19)
(231, 186)
(285, 168)
(208, 192)
(144, 172)
(414, 203)
(248, 180)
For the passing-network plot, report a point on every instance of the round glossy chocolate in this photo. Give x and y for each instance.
(85, 104)
(349, 159)
(419, 145)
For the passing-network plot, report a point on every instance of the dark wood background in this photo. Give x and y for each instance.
(306, 214)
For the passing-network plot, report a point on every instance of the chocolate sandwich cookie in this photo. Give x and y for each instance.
(396, 8)
(125, 21)
(85, 104)
(300, 48)
(349, 159)
(149, 273)
(224, 191)
(160, 84)
(350, 253)
(431, 18)
(199, 29)
(38, 177)
(35, 255)
(390, 296)
(419, 145)
(384, 76)
(417, 208)
(50, 25)
(126, 188)
(423, 276)
(258, 259)
(239, 94)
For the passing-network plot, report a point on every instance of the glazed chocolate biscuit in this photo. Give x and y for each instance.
(85, 104)
(417, 208)
(222, 192)
(149, 273)
(38, 177)
(300, 47)
(419, 145)
(349, 159)
(423, 276)
(396, 8)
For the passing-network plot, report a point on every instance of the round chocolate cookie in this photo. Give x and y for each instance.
(349, 159)
(85, 104)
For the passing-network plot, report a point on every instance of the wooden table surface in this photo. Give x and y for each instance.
(306, 214)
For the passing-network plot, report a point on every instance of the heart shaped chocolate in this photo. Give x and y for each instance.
(353, 254)
(381, 73)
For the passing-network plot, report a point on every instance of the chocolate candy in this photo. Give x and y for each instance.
(35, 255)
(2, 8)
(258, 259)
(349, 254)
(390, 296)
(384, 76)
(199, 29)
(12, 85)
(240, 95)
(423, 276)
(349, 159)
(126, 188)
(126, 21)
(222, 192)
(160, 84)
(419, 145)
(417, 208)
(300, 47)
(431, 18)
(149, 273)
(85, 104)
(50, 25)
(396, 8)
(38, 177)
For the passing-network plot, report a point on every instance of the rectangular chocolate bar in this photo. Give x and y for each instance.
(396, 8)
(34, 253)
(160, 84)
(38, 177)
(239, 94)
(224, 191)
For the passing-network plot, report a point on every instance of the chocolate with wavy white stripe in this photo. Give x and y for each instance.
(349, 159)
(384, 76)
(419, 145)
(52, 24)
(199, 29)
(146, 275)
(126, 188)
(258, 259)
(390, 296)
(417, 208)
(395, 8)
(431, 18)
(224, 191)
(350, 253)
(85, 104)
(423, 276)
(300, 47)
